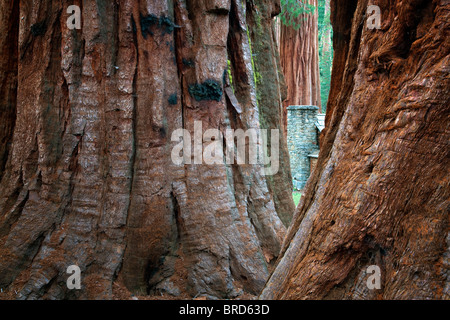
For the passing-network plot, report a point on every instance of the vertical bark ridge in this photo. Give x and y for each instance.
(89, 179)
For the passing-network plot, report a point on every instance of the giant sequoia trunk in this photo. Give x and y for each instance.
(299, 55)
(380, 194)
(85, 148)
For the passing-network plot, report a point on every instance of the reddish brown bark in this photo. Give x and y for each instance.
(299, 55)
(380, 194)
(89, 179)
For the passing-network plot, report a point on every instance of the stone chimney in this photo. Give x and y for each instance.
(302, 141)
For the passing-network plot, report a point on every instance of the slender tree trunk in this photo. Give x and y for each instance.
(327, 45)
(89, 178)
(326, 55)
(299, 55)
(380, 194)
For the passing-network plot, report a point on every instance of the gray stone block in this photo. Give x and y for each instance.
(302, 139)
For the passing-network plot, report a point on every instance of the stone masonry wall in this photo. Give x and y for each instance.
(302, 141)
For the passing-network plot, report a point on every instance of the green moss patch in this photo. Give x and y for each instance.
(188, 63)
(173, 99)
(208, 90)
(151, 21)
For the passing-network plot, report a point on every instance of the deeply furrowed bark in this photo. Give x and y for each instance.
(380, 194)
(89, 179)
(9, 13)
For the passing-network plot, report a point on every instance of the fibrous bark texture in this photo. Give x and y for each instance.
(380, 194)
(9, 14)
(299, 55)
(89, 178)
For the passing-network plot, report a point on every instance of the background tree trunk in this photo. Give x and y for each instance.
(327, 43)
(271, 90)
(380, 194)
(89, 179)
(325, 51)
(299, 55)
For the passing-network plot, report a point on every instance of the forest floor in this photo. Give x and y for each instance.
(296, 195)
